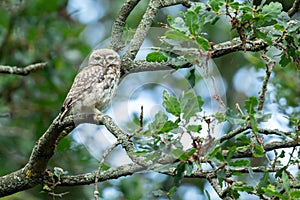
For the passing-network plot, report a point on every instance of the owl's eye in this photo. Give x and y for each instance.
(97, 58)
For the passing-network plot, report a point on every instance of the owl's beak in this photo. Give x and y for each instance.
(104, 62)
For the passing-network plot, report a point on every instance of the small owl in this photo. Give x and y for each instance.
(95, 85)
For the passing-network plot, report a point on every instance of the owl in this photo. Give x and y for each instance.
(95, 85)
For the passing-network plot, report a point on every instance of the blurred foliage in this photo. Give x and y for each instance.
(39, 31)
(31, 32)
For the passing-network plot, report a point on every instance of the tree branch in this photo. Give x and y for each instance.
(122, 138)
(34, 171)
(267, 147)
(22, 71)
(129, 169)
(219, 50)
(145, 24)
(236, 44)
(294, 8)
(118, 26)
(104, 156)
(112, 173)
(242, 129)
(269, 68)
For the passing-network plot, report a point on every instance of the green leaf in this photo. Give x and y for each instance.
(156, 57)
(191, 77)
(239, 163)
(194, 128)
(216, 153)
(244, 188)
(172, 191)
(247, 17)
(253, 122)
(234, 118)
(181, 154)
(258, 151)
(159, 120)
(220, 116)
(171, 104)
(264, 181)
(295, 194)
(193, 22)
(235, 5)
(271, 11)
(231, 151)
(280, 172)
(272, 191)
(242, 139)
(278, 27)
(168, 126)
(286, 182)
(285, 60)
(203, 43)
(262, 117)
(177, 24)
(177, 153)
(179, 173)
(216, 5)
(263, 36)
(177, 35)
(190, 104)
(250, 104)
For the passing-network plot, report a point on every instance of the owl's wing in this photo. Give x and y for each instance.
(82, 85)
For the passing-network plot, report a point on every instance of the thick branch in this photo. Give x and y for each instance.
(22, 71)
(219, 50)
(145, 24)
(112, 173)
(129, 169)
(33, 172)
(237, 45)
(118, 27)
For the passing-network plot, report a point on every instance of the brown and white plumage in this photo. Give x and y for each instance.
(95, 85)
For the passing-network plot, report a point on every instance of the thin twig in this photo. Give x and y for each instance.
(269, 67)
(294, 8)
(233, 133)
(142, 117)
(106, 153)
(216, 95)
(123, 138)
(242, 129)
(22, 71)
(60, 195)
